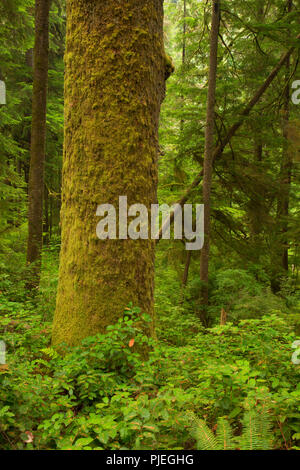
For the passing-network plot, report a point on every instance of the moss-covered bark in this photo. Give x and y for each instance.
(115, 70)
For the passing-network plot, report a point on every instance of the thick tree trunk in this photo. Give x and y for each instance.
(208, 156)
(113, 90)
(38, 140)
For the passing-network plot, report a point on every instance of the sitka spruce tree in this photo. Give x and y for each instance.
(114, 86)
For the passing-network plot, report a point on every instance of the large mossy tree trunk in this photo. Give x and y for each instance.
(38, 140)
(114, 86)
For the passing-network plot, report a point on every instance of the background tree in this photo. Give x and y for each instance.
(285, 177)
(38, 139)
(208, 155)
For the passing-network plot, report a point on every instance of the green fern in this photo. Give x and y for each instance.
(224, 435)
(256, 433)
(249, 440)
(265, 429)
(50, 352)
(202, 434)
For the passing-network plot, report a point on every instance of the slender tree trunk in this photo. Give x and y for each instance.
(178, 159)
(38, 140)
(208, 156)
(255, 206)
(46, 215)
(287, 163)
(115, 71)
(183, 57)
(185, 276)
(186, 268)
(280, 261)
(184, 32)
(50, 215)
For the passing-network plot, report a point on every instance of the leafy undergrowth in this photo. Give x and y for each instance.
(105, 395)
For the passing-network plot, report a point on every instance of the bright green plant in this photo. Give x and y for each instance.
(256, 434)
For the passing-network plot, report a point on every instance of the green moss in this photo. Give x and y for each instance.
(169, 66)
(113, 90)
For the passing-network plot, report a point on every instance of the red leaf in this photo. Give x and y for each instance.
(131, 343)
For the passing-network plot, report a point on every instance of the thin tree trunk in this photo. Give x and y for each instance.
(50, 215)
(255, 206)
(223, 317)
(185, 276)
(46, 215)
(186, 268)
(183, 57)
(184, 32)
(38, 140)
(281, 261)
(177, 162)
(114, 86)
(209, 157)
(231, 133)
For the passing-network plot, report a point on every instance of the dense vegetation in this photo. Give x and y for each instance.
(207, 370)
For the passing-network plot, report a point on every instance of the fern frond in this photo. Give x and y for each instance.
(224, 435)
(256, 435)
(256, 430)
(202, 434)
(50, 352)
(250, 439)
(265, 429)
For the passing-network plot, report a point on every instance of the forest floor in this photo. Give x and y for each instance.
(105, 395)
